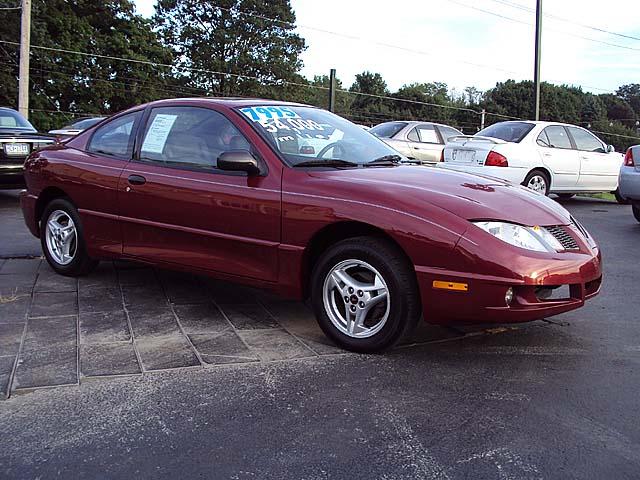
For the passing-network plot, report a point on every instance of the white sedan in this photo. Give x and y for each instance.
(547, 157)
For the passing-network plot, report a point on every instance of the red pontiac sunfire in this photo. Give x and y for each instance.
(296, 199)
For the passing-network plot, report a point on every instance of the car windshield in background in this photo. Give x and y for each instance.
(507, 131)
(387, 130)
(12, 119)
(83, 124)
(304, 134)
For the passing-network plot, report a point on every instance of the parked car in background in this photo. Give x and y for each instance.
(422, 141)
(18, 138)
(547, 157)
(222, 187)
(79, 125)
(630, 179)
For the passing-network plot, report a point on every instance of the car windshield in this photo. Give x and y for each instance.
(303, 134)
(83, 124)
(388, 129)
(12, 119)
(507, 131)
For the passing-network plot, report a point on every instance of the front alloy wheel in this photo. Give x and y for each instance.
(365, 294)
(356, 298)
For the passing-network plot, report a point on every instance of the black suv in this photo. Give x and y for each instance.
(18, 139)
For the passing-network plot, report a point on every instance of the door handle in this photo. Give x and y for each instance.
(137, 180)
(546, 154)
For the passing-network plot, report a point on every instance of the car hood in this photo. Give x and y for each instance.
(472, 197)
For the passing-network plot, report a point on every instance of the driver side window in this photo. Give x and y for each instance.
(191, 138)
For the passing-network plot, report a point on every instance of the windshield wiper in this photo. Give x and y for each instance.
(385, 160)
(326, 163)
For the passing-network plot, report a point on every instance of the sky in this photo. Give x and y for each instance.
(469, 42)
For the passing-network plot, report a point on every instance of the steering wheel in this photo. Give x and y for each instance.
(336, 146)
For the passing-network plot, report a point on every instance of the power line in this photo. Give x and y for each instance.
(562, 19)
(11, 8)
(505, 17)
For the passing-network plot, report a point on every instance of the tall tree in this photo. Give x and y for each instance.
(370, 106)
(251, 43)
(72, 82)
(631, 94)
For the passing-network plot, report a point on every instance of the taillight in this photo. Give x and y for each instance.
(628, 158)
(494, 159)
(442, 155)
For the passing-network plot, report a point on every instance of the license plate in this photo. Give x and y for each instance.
(16, 149)
(463, 156)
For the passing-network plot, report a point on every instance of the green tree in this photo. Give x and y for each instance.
(370, 106)
(619, 109)
(237, 38)
(631, 94)
(70, 82)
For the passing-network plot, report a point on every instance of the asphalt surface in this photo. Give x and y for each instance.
(557, 399)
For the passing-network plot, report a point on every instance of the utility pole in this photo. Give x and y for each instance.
(482, 114)
(332, 90)
(25, 46)
(536, 69)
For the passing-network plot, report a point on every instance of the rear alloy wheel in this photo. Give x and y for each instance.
(62, 239)
(537, 181)
(364, 294)
(636, 212)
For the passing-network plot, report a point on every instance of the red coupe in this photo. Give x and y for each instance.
(296, 199)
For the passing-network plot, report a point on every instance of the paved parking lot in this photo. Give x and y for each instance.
(149, 373)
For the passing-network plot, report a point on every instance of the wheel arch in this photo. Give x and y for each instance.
(334, 233)
(47, 196)
(546, 171)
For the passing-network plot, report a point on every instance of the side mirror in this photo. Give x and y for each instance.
(239, 161)
(611, 149)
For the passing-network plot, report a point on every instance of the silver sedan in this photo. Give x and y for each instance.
(629, 180)
(422, 141)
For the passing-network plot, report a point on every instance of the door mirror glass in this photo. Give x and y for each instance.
(239, 161)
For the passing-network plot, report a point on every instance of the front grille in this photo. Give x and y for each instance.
(560, 234)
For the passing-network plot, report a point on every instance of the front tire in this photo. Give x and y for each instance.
(636, 212)
(566, 196)
(365, 294)
(538, 181)
(62, 239)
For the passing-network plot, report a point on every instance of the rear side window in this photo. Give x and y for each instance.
(189, 137)
(507, 131)
(387, 130)
(586, 141)
(557, 137)
(413, 135)
(448, 132)
(116, 137)
(428, 134)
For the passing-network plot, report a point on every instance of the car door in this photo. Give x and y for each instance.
(99, 164)
(558, 155)
(598, 169)
(179, 208)
(425, 143)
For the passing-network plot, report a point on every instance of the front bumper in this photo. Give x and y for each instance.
(484, 300)
(28, 206)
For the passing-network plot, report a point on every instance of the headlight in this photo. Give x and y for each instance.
(530, 238)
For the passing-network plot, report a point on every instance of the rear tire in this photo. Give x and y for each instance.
(619, 198)
(62, 239)
(365, 294)
(636, 212)
(538, 181)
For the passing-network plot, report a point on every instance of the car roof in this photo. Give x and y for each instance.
(231, 102)
(413, 123)
(538, 123)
